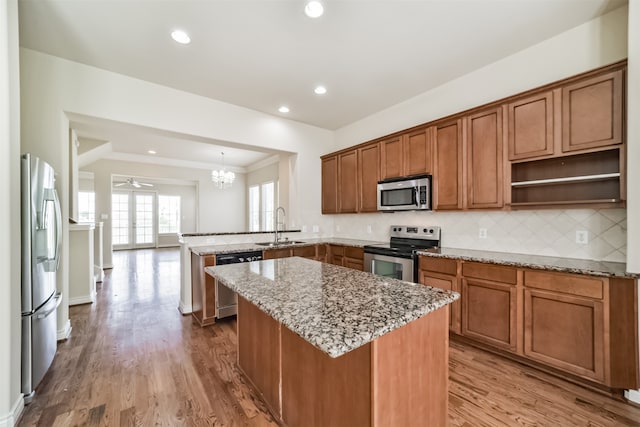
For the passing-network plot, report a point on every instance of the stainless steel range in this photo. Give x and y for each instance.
(396, 259)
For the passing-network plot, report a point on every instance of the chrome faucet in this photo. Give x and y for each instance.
(278, 223)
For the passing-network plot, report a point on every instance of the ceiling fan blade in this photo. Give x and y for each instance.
(120, 184)
(135, 184)
(146, 184)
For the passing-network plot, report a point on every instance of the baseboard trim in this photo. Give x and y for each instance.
(85, 299)
(632, 395)
(11, 419)
(65, 332)
(185, 308)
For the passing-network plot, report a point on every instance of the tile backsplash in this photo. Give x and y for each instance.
(541, 232)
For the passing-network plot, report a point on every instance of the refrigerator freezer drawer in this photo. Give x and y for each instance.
(39, 343)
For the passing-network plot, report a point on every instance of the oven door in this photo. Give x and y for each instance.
(388, 266)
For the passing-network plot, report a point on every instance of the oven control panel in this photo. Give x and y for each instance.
(416, 231)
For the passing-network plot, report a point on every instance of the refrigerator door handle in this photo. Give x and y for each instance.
(58, 297)
(52, 264)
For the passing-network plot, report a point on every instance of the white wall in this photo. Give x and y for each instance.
(188, 207)
(216, 210)
(10, 396)
(552, 232)
(51, 87)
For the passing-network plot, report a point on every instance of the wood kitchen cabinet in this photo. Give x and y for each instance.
(330, 185)
(203, 290)
(346, 256)
(531, 126)
(314, 252)
(348, 182)
(442, 274)
(489, 304)
(406, 155)
(276, 253)
(592, 112)
(448, 166)
(368, 177)
(583, 325)
(485, 159)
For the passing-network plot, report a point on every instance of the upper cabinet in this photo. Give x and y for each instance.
(405, 155)
(485, 162)
(561, 145)
(448, 164)
(531, 126)
(368, 177)
(592, 112)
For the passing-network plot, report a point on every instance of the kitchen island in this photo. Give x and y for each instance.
(327, 345)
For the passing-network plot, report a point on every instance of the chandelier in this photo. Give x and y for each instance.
(221, 178)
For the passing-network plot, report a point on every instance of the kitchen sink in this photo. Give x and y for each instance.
(282, 243)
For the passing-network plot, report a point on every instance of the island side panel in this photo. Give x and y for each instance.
(319, 391)
(410, 373)
(259, 352)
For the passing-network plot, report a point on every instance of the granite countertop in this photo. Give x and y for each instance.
(565, 265)
(232, 233)
(246, 247)
(336, 309)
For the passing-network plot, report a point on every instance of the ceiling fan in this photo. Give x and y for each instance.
(133, 183)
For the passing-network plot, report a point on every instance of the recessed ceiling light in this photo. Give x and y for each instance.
(320, 90)
(314, 9)
(151, 152)
(283, 109)
(181, 37)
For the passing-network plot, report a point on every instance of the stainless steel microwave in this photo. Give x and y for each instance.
(405, 194)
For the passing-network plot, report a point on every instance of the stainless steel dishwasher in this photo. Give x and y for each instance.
(226, 299)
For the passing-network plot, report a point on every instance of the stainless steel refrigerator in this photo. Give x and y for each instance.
(41, 243)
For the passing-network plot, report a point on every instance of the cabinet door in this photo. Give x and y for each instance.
(330, 185)
(305, 252)
(448, 283)
(531, 127)
(356, 264)
(276, 253)
(565, 331)
(368, 177)
(489, 313)
(335, 254)
(417, 153)
(203, 290)
(347, 182)
(592, 112)
(447, 174)
(485, 161)
(391, 158)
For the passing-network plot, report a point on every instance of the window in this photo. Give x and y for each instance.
(86, 206)
(254, 208)
(262, 203)
(267, 206)
(168, 214)
(120, 218)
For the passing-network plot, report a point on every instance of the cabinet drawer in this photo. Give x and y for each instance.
(276, 253)
(439, 265)
(336, 250)
(572, 284)
(305, 251)
(495, 273)
(353, 252)
(322, 250)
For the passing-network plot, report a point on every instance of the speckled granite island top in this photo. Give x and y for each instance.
(245, 247)
(335, 309)
(565, 265)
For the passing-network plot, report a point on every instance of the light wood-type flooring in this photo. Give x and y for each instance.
(134, 360)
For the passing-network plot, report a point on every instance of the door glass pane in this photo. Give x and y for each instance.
(144, 218)
(168, 214)
(254, 208)
(120, 218)
(268, 201)
(387, 269)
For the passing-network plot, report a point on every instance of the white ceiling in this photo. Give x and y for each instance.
(262, 54)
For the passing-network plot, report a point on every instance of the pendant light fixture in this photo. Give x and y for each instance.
(221, 178)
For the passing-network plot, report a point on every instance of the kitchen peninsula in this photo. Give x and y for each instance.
(327, 345)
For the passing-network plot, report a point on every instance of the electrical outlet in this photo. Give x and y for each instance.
(104, 216)
(582, 237)
(369, 229)
(304, 228)
(482, 233)
(316, 228)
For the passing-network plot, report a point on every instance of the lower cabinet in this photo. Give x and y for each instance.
(441, 273)
(489, 304)
(346, 256)
(203, 290)
(582, 326)
(315, 252)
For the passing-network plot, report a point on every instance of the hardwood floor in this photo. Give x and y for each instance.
(133, 360)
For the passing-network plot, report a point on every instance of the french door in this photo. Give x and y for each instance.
(132, 219)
